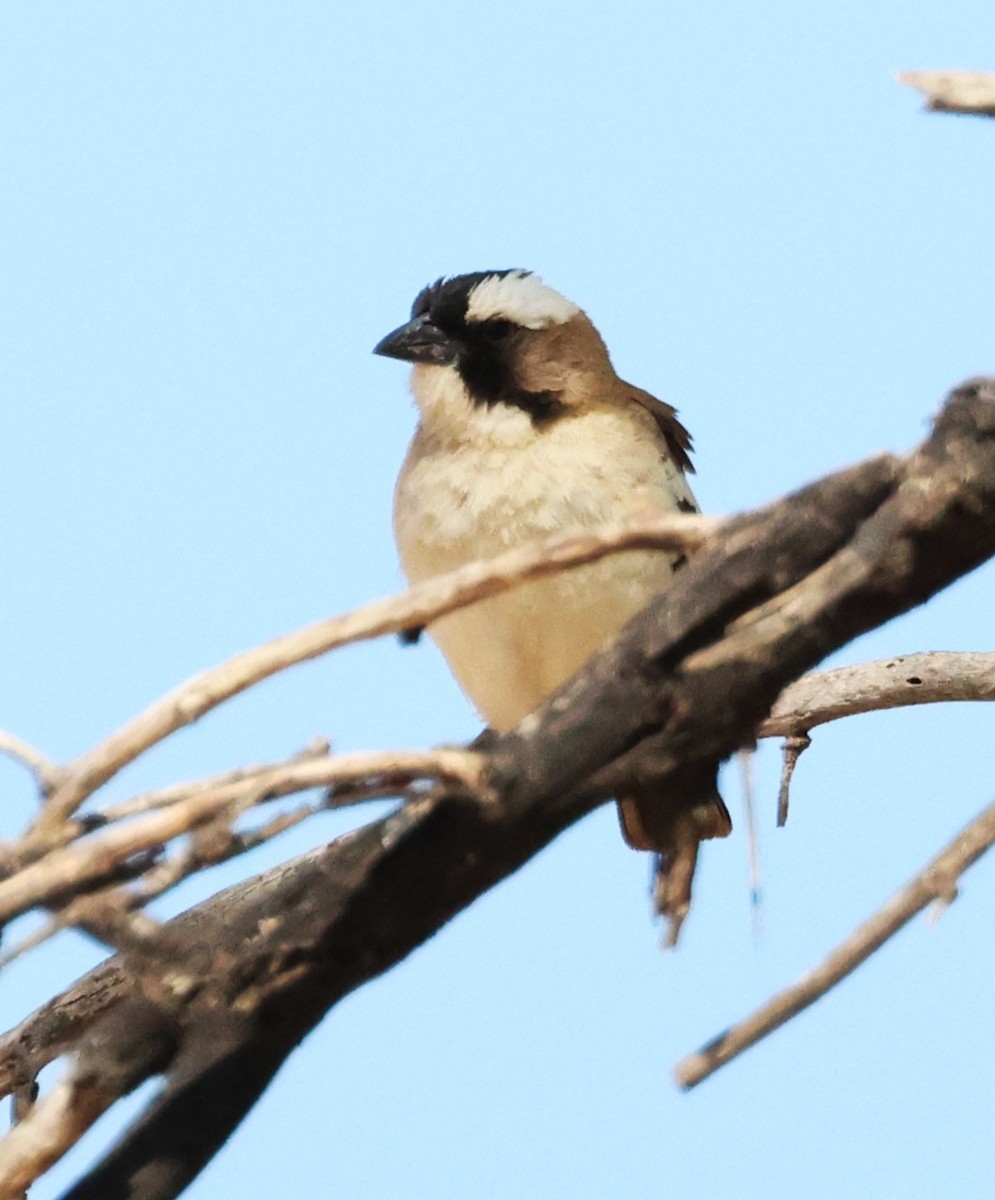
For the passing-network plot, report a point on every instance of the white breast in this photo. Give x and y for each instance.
(506, 484)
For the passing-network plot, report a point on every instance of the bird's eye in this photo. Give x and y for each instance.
(498, 330)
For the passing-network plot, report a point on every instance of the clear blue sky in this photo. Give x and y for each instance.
(209, 215)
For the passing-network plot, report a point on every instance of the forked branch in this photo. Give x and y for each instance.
(225, 991)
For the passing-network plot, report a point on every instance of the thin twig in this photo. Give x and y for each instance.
(53, 1126)
(792, 750)
(937, 881)
(969, 92)
(47, 774)
(930, 678)
(70, 866)
(109, 915)
(175, 792)
(417, 607)
(32, 941)
(212, 851)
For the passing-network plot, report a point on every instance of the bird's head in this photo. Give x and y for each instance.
(506, 339)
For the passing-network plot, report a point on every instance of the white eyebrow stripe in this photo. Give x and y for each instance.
(523, 299)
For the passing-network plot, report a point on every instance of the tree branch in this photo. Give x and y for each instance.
(89, 858)
(414, 608)
(967, 92)
(52, 1127)
(47, 774)
(911, 679)
(936, 881)
(686, 683)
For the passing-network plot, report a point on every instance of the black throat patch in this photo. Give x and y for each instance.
(542, 407)
(487, 349)
(486, 365)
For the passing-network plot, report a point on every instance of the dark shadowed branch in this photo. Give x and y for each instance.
(216, 999)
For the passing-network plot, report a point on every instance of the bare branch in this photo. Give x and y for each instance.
(213, 846)
(58, 1025)
(105, 913)
(89, 858)
(813, 700)
(47, 773)
(234, 984)
(791, 751)
(414, 608)
(937, 881)
(320, 748)
(931, 678)
(53, 1126)
(968, 92)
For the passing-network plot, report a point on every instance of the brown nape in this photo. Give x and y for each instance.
(569, 359)
(674, 434)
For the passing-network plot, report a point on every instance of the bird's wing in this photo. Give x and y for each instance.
(676, 437)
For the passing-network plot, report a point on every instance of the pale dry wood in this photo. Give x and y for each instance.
(930, 678)
(815, 699)
(162, 877)
(376, 763)
(771, 620)
(47, 773)
(163, 797)
(416, 607)
(968, 92)
(792, 748)
(936, 882)
(933, 677)
(74, 865)
(224, 845)
(52, 1127)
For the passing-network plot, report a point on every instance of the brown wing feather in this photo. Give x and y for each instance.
(673, 432)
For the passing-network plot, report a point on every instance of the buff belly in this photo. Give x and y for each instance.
(459, 503)
(510, 652)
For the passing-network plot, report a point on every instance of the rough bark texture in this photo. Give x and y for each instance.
(219, 1001)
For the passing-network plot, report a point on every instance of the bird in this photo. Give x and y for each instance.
(526, 432)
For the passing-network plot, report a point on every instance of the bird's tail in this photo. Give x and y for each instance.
(673, 827)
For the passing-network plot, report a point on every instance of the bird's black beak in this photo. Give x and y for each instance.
(418, 342)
